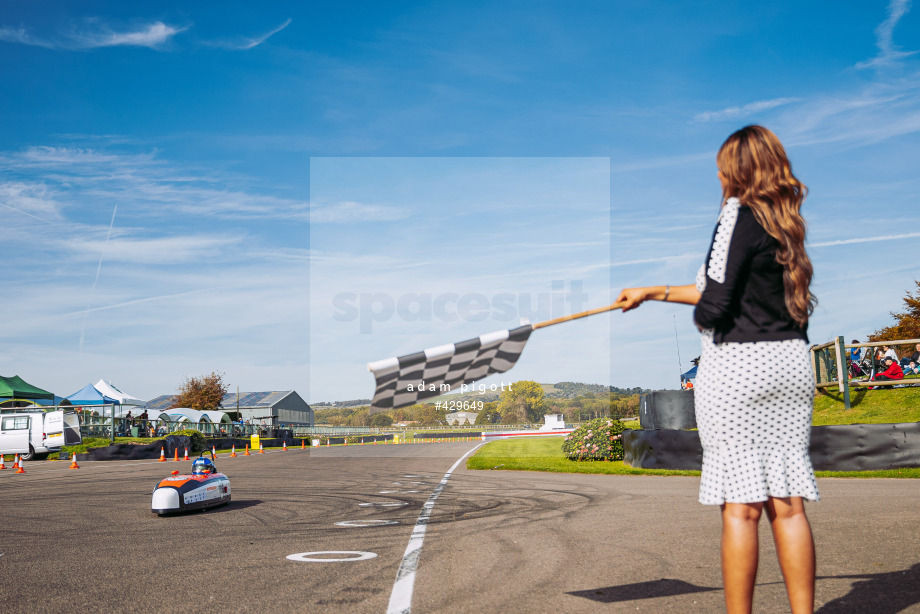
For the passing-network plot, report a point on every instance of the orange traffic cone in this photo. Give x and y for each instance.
(162, 455)
(176, 458)
(2, 466)
(186, 454)
(20, 468)
(303, 444)
(233, 452)
(213, 451)
(15, 461)
(73, 464)
(261, 449)
(247, 451)
(284, 446)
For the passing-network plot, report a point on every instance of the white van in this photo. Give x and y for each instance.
(34, 435)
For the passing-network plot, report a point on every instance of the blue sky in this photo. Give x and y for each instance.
(208, 186)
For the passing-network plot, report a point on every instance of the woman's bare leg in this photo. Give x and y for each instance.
(739, 554)
(795, 549)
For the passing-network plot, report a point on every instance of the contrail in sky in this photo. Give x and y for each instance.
(92, 290)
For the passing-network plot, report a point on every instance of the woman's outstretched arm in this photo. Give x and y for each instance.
(633, 297)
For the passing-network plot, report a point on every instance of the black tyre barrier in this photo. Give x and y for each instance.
(173, 443)
(444, 435)
(841, 447)
(667, 409)
(369, 439)
(135, 451)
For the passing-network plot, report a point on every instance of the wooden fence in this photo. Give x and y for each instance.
(830, 363)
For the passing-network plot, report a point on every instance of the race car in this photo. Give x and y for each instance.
(202, 489)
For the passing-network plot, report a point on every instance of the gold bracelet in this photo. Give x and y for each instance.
(667, 292)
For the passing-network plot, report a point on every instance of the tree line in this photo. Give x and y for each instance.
(524, 402)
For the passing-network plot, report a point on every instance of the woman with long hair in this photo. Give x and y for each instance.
(754, 390)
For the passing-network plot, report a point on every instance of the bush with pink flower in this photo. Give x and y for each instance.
(599, 439)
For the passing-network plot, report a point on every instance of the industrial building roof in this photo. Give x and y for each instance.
(246, 399)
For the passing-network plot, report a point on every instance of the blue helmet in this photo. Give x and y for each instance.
(203, 466)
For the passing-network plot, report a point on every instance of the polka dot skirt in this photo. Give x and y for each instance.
(753, 408)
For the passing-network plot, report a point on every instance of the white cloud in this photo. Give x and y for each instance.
(162, 250)
(243, 43)
(20, 35)
(350, 212)
(144, 181)
(733, 113)
(92, 34)
(884, 37)
(908, 235)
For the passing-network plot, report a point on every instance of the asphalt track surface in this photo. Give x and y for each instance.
(84, 540)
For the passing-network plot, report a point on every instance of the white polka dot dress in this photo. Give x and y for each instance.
(754, 403)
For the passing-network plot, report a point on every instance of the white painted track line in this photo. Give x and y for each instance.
(401, 597)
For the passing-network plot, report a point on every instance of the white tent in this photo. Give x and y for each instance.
(108, 389)
(185, 414)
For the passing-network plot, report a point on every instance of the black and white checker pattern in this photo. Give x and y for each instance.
(445, 367)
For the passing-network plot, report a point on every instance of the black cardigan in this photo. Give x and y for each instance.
(744, 297)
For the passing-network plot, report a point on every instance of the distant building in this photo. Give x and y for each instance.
(268, 408)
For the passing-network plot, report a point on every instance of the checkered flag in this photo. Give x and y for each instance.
(409, 379)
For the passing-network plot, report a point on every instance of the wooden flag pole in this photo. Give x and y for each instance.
(575, 316)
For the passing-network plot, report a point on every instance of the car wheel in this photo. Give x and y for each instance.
(28, 455)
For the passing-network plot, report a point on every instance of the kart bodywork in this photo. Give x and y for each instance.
(181, 493)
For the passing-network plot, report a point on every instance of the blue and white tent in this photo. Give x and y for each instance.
(88, 395)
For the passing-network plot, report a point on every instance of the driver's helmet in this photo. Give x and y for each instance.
(203, 466)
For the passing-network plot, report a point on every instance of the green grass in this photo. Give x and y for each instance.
(867, 407)
(879, 406)
(545, 454)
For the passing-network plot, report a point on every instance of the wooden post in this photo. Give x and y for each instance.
(842, 373)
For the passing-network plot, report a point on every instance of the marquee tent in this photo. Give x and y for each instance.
(17, 388)
(88, 395)
(110, 390)
(185, 414)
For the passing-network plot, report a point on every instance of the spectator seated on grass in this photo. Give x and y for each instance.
(892, 371)
(912, 358)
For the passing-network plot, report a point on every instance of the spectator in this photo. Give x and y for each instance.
(889, 353)
(913, 358)
(855, 354)
(892, 371)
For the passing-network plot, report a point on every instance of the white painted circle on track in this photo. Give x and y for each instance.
(311, 557)
(365, 523)
(384, 504)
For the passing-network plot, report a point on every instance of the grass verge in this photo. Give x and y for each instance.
(545, 454)
(879, 406)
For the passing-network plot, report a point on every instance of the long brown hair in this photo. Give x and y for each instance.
(756, 170)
